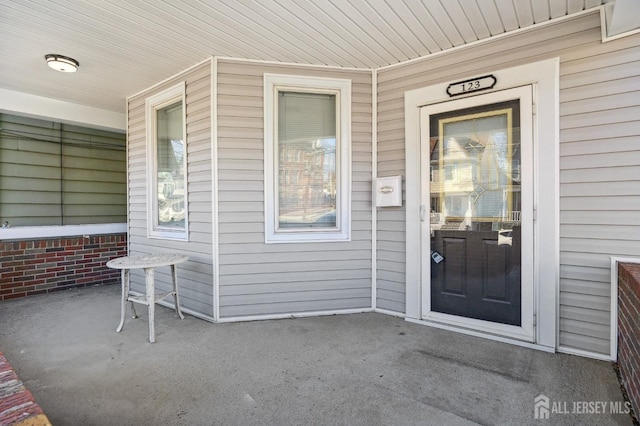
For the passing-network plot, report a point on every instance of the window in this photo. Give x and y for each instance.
(307, 159)
(57, 174)
(167, 179)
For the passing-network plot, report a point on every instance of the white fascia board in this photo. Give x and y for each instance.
(20, 103)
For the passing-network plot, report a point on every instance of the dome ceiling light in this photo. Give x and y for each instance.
(62, 63)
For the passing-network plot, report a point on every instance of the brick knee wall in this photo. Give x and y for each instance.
(38, 266)
(629, 330)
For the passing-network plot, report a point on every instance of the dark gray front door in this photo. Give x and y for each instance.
(479, 278)
(475, 212)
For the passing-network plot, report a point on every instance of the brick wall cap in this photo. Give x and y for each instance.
(632, 269)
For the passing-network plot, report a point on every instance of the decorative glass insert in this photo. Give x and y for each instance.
(478, 151)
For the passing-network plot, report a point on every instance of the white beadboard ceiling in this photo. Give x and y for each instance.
(125, 46)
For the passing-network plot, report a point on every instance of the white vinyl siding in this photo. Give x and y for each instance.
(60, 174)
(599, 184)
(599, 161)
(271, 279)
(195, 276)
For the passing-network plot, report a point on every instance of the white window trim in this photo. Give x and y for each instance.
(342, 89)
(152, 104)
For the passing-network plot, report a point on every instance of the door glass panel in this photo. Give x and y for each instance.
(475, 193)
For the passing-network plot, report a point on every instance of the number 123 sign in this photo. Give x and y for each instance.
(473, 85)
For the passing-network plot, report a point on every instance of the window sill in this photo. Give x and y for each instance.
(307, 237)
(32, 232)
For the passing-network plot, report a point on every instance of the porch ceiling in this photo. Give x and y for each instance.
(126, 46)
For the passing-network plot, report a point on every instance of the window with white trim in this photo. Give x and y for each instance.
(167, 164)
(307, 159)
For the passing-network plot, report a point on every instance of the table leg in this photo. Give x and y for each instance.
(134, 314)
(174, 277)
(124, 274)
(151, 304)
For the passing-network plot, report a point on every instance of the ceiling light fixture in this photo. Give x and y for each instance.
(62, 63)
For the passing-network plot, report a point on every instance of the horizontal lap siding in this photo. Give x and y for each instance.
(60, 174)
(599, 160)
(599, 183)
(270, 279)
(195, 277)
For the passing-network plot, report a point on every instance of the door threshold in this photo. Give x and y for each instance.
(482, 335)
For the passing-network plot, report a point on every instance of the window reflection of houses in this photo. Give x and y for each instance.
(170, 199)
(171, 187)
(475, 184)
(307, 182)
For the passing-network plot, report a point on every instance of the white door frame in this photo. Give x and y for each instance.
(543, 76)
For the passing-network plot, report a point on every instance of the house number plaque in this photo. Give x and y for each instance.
(473, 85)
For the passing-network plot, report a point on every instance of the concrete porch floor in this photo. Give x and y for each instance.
(364, 369)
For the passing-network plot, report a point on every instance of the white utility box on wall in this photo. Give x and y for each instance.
(388, 191)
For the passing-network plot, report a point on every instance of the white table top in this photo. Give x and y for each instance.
(146, 261)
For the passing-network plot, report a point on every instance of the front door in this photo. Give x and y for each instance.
(477, 237)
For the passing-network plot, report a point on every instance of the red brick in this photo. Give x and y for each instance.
(13, 274)
(13, 296)
(56, 264)
(46, 275)
(24, 268)
(629, 331)
(34, 282)
(48, 255)
(15, 284)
